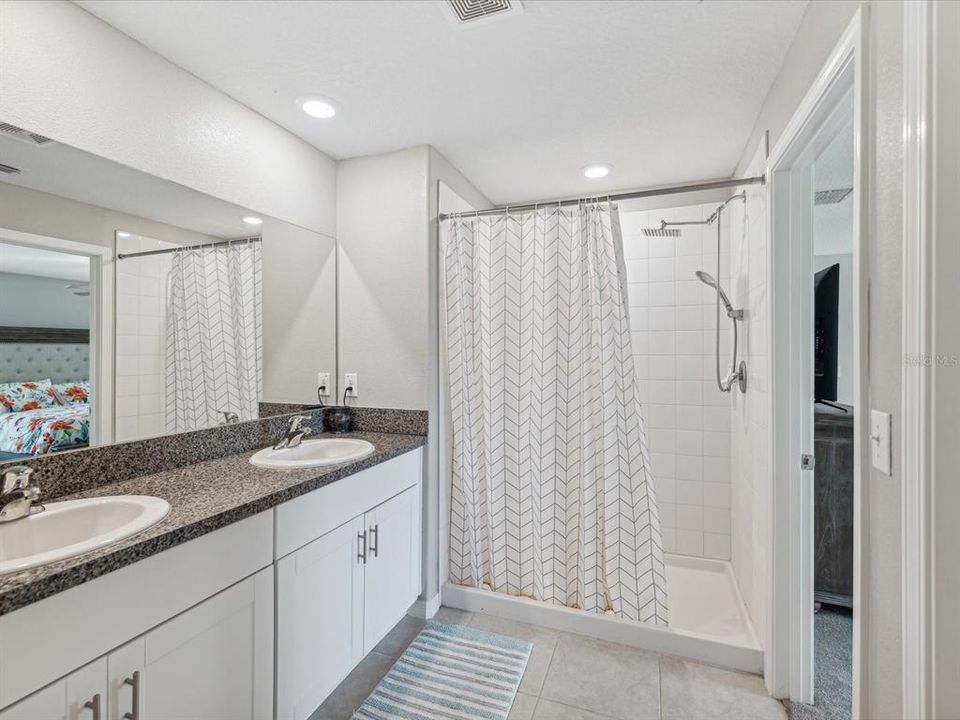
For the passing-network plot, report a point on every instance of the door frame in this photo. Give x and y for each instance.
(102, 289)
(791, 643)
(930, 395)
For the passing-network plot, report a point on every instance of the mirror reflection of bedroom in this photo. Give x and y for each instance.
(133, 307)
(45, 351)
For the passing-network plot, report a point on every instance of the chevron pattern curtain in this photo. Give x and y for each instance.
(213, 336)
(552, 493)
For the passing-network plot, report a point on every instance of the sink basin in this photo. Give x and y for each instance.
(313, 453)
(73, 527)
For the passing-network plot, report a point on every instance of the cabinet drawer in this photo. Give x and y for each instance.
(306, 518)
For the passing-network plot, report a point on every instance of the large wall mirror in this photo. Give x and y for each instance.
(132, 307)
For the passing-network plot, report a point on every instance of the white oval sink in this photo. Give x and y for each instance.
(313, 453)
(73, 527)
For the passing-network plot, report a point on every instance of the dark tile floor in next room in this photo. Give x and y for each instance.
(572, 677)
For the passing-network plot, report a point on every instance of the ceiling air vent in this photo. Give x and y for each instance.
(831, 197)
(21, 134)
(471, 11)
(9, 169)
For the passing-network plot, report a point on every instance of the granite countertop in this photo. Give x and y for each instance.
(203, 497)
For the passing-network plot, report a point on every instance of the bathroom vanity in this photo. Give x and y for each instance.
(253, 598)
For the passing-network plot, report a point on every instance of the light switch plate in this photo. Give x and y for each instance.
(350, 381)
(880, 441)
(323, 381)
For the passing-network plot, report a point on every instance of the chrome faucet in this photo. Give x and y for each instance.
(229, 417)
(17, 494)
(295, 433)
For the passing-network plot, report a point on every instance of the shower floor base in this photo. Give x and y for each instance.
(708, 621)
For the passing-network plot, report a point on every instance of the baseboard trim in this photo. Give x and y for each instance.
(426, 609)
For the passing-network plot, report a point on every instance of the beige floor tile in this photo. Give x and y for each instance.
(549, 710)
(605, 678)
(544, 641)
(452, 616)
(403, 634)
(351, 693)
(691, 691)
(523, 707)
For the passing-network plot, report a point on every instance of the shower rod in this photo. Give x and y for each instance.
(201, 246)
(631, 195)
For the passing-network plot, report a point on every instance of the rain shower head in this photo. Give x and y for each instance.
(708, 279)
(662, 231)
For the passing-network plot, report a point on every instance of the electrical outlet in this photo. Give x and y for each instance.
(323, 383)
(350, 385)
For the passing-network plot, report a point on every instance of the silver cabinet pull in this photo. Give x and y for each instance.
(374, 540)
(362, 552)
(134, 683)
(94, 705)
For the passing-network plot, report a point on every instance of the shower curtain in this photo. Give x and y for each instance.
(552, 495)
(213, 335)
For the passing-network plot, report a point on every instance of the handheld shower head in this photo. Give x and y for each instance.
(708, 280)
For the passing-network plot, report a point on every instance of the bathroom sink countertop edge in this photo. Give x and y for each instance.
(203, 497)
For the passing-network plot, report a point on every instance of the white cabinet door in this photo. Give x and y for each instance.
(319, 619)
(392, 572)
(125, 678)
(214, 661)
(79, 696)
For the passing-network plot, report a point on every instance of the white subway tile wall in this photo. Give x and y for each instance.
(673, 321)
(141, 324)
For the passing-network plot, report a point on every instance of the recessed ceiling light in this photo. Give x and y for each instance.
(318, 107)
(121, 233)
(596, 171)
(252, 220)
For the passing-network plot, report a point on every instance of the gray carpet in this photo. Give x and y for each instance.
(833, 667)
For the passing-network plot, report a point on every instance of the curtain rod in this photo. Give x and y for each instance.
(124, 256)
(632, 195)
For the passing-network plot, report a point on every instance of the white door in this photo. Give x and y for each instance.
(79, 696)
(214, 661)
(319, 619)
(392, 573)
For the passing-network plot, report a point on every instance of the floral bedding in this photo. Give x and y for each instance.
(73, 393)
(43, 430)
(20, 396)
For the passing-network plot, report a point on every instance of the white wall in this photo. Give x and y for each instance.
(299, 312)
(882, 645)
(673, 321)
(72, 77)
(384, 277)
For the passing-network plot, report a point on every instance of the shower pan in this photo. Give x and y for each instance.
(738, 371)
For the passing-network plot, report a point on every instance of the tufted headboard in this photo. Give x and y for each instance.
(38, 353)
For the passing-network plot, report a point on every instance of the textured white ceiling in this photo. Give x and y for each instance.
(664, 91)
(832, 170)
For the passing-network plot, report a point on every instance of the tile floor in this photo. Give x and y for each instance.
(571, 677)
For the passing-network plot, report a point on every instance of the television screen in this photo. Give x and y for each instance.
(826, 297)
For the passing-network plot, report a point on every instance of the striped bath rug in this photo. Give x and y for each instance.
(450, 672)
